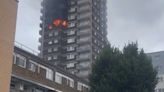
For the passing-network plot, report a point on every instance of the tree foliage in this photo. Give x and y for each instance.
(129, 70)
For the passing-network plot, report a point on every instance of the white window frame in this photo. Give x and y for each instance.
(58, 78)
(70, 65)
(79, 86)
(49, 74)
(70, 40)
(21, 86)
(71, 83)
(70, 56)
(71, 32)
(70, 48)
(71, 24)
(23, 60)
(33, 67)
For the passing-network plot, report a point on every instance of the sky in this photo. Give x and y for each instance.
(128, 20)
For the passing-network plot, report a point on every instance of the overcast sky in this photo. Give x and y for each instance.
(128, 20)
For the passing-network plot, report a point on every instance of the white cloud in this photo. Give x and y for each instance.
(27, 31)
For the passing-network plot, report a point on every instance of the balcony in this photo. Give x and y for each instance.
(41, 10)
(40, 32)
(86, 15)
(85, 48)
(83, 24)
(84, 65)
(83, 57)
(83, 73)
(72, 9)
(41, 18)
(82, 2)
(40, 39)
(41, 25)
(83, 40)
(72, 17)
(71, 24)
(39, 48)
(84, 8)
(84, 32)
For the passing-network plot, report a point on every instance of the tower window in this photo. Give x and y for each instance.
(55, 57)
(50, 34)
(55, 49)
(49, 50)
(49, 58)
(56, 41)
(71, 32)
(71, 24)
(56, 33)
(70, 65)
(70, 40)
(70, 56)
(50, 42)
(70, 48)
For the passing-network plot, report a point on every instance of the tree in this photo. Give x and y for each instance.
(127, 71)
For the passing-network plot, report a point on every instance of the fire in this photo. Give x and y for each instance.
(64, 23)
(58, 23)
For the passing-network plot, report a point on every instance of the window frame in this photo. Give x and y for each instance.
(58, 78)
(32, 68)
(23, 60)
(49, 74)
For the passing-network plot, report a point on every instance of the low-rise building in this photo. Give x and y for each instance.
(32, 74)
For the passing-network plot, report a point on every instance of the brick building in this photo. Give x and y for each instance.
(8, 12)
(32, 74)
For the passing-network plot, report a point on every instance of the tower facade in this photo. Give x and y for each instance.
(83, 38)
(53, 26)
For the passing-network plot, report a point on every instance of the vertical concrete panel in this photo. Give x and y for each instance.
(8, 12)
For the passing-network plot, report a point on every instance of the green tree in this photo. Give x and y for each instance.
(127, 71)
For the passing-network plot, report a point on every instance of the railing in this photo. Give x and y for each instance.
(21, 46)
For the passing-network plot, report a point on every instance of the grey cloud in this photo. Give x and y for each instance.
(137, 20)
(148, 11)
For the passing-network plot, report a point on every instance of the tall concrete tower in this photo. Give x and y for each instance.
(81, 40)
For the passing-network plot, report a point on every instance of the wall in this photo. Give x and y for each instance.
(8, 11)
